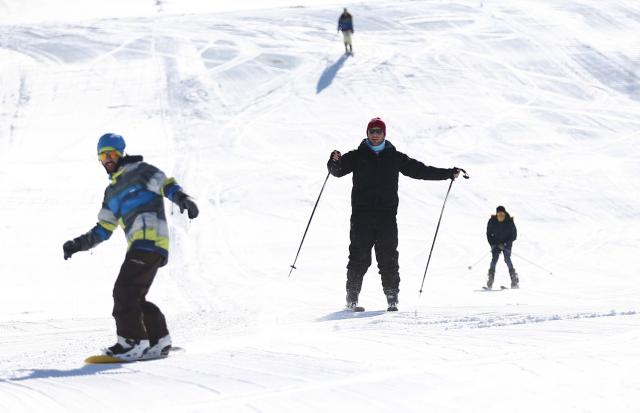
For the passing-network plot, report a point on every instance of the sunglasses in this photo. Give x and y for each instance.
(376, 131)
(102, 156)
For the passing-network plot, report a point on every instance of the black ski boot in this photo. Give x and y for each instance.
(515, 282)
(392, 300)
(352, 301)
(490, 276)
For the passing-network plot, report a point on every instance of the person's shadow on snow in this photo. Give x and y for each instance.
(345, 314)
(86, 370)
(329, 73)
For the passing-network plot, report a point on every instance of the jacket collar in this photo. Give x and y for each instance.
(387, 147)
(124, 166)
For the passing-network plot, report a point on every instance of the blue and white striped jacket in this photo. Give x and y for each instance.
(134, 201)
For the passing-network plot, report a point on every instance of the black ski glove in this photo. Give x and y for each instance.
(455, 171)
(184, 202)
(70, 248)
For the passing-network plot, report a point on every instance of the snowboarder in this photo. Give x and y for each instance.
(376, 165)
(501, 232)
(133, 199)
(345, 24)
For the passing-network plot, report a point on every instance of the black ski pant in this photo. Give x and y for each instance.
(378, 230)
(136, 317)
(495, 254)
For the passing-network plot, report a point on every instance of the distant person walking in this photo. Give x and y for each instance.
(376, 166)
(501, 233)
(345, 24)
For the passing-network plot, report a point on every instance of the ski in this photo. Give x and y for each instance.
(392, 308)
(485, 288)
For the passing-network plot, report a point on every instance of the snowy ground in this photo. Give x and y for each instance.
(538, 101)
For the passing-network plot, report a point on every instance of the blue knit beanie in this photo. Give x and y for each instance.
(111, 142)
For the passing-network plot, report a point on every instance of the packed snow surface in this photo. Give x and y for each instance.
(242, 102)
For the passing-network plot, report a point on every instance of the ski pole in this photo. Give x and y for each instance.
(466, 176)
(293, 266)
(480, 259)
(529, 261)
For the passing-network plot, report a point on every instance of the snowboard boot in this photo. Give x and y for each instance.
(490, 276)
(158, 348)
(352, 299)
(127, 349)
(515, 282)
(392, 300)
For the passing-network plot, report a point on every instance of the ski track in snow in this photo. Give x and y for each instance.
(539, 101)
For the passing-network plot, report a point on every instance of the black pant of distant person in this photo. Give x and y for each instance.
(495, 255)
(136, 317)
(378, 230)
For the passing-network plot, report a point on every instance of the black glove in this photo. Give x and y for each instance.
(184, 202)
(70, 248)
(456, 170)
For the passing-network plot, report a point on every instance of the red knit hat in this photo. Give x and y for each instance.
(377, 123)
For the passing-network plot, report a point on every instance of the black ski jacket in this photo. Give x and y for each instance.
(501, 232)
(375, 176)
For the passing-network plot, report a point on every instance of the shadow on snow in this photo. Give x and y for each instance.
(345, 314)
(329, 73)
(86, 370)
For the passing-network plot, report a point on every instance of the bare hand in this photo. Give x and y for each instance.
(335, 156)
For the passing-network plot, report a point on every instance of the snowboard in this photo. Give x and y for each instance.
(104, 359)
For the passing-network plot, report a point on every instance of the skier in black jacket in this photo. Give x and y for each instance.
(376, 165)
(501, 232)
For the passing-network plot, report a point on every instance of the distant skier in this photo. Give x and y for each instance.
(133, 199)
(501, 232)
(376, 166)
(345, 24)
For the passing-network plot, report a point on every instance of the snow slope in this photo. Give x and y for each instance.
(242, 103)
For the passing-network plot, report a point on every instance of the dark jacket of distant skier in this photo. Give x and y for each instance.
(375, 175)
(504, 232)
(345, 22)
